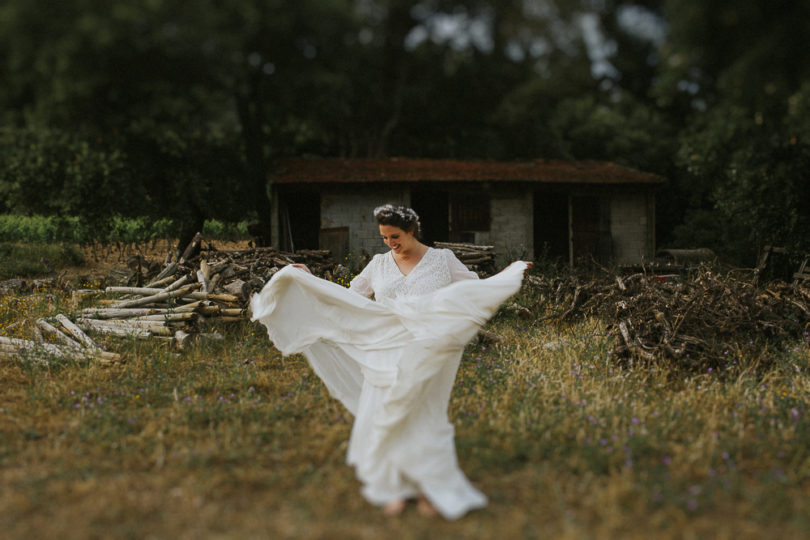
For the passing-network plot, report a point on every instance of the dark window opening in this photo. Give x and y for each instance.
(470, 212)
(433, 209)
(551, 226)
(591, 224)
(300, 220)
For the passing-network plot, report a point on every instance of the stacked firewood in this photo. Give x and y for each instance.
(193, 290)
(477, 258)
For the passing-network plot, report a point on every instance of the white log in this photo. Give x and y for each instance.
(168, 271)
(156, 327)
(168, 317)
(159, 283)
(146, 291)
(76, 332)
(204, 276)
(182, 291)
(13, 348)
(458, 245)
(122, 331)
(187, 307)
(56, 333)
(190, 248)
(122, 313)
(177, 283)
(224, 298)
(211, 310)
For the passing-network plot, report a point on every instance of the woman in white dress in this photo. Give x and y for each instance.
(392, 362)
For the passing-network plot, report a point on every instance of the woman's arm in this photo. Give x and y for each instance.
(362, 282)
(458, 270)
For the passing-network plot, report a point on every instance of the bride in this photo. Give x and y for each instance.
(392, 361)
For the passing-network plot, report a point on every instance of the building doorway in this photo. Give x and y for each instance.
(551, 226)
(591, 229)
(299, 220)
(433, 207)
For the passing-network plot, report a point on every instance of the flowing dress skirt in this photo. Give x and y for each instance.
(392, 365)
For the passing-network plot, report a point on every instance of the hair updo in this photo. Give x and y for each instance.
(398, 216)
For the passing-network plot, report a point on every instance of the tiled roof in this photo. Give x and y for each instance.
(337, 170)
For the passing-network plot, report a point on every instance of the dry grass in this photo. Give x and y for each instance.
(235, 441)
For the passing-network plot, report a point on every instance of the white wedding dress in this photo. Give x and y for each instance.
(392, 363)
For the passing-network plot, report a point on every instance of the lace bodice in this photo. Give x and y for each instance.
(383, 279)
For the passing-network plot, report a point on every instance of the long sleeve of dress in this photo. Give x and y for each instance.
(458, 271)
(361, 284)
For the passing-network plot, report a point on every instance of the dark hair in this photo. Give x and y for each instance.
(398, 216)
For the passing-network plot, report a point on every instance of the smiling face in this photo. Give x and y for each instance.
(398, 240)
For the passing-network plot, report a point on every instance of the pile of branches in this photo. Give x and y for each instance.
(693, 323)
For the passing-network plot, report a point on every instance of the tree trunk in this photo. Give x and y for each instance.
(251, 118)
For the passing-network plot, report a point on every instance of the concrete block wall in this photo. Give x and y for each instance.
(630, 226)
(512, 228)
(352, 206)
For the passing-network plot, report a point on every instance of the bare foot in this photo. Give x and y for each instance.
(426, 508)
(395, 507)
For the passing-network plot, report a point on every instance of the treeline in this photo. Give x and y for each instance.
(117, 229)
(182, 110)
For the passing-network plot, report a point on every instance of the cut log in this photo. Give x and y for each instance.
(146, 291)
(13, 349)
(166, 272)
(76, 332)
(191, 248)
(158, 283)
(120, 313)
(158, 297)
(168, 317)
(187, 307)
(458, 245)
(234, 312)
(126, 327)
(57, 334)
(204, 276)
(209, 310)
(223, 298)
(175, 285)
(119, 331)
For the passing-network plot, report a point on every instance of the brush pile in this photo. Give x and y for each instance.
(702, 322)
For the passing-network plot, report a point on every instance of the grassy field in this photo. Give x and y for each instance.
(235, 441)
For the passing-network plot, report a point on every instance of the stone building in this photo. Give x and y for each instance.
(564, 210)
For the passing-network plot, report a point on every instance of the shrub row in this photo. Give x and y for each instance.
(49, 229)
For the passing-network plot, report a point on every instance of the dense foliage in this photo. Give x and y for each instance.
(180, 110)
(115, 229)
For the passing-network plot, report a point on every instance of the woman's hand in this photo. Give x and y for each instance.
(528, 264)
(302, 267)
